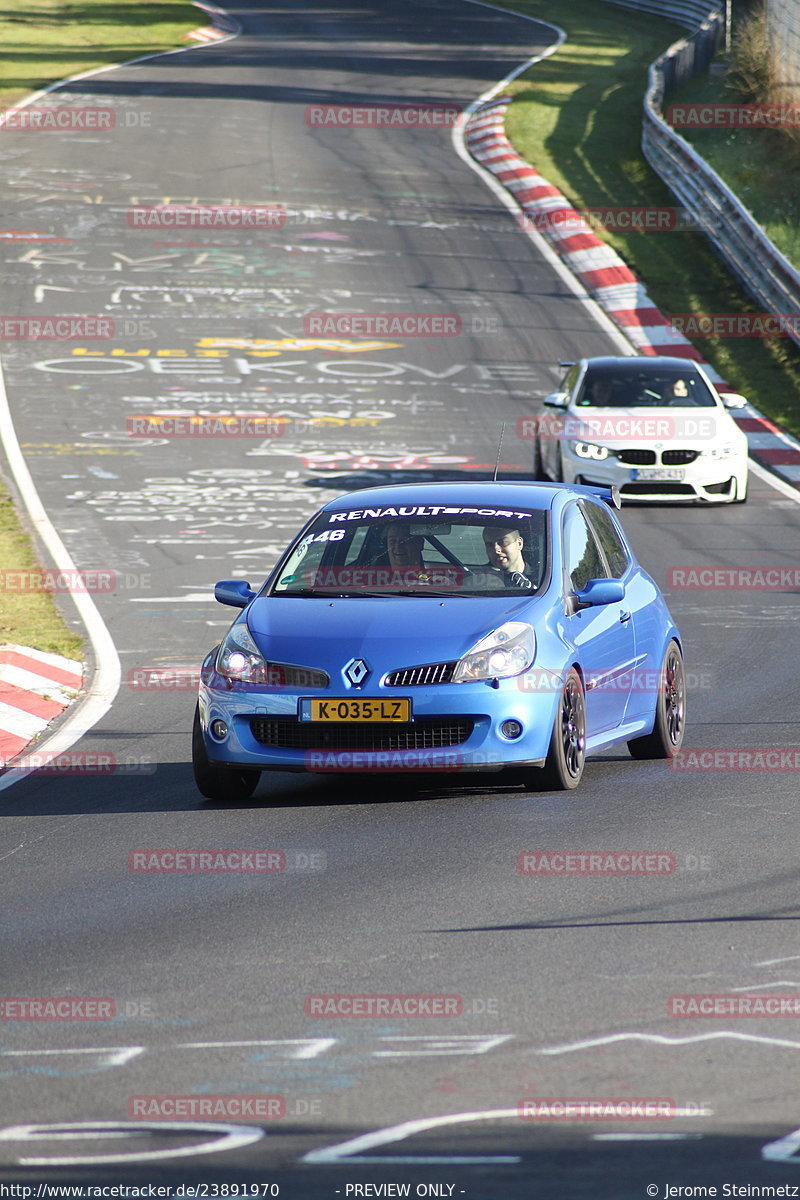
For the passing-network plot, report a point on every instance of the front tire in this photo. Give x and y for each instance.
(667, 737)
(566, 757)
(229, 785)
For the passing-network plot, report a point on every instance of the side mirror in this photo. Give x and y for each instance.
(733, 400)
(600, 591)
(236, 592)
(556, 400)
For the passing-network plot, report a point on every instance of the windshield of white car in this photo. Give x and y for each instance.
(644, 387)
(392, 552)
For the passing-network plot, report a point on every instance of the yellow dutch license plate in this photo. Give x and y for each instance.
(356, 710)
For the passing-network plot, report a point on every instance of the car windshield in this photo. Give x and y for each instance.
(644, 387)
(417, 550)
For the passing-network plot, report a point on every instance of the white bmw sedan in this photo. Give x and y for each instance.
(656, 428)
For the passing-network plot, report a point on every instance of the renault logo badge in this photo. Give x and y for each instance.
(356, 672)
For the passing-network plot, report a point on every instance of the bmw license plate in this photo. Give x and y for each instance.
(355, 710)
(675, 473)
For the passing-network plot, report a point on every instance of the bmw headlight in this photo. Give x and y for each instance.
(240, 659)
(590, 450)
(507, 651)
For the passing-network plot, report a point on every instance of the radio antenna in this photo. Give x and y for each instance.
(499, 449)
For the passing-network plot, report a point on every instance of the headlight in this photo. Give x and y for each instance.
(507, 651)
(240, 659)
(590, 450)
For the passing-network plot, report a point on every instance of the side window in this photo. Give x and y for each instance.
(581, 556)
(570, 379)
(602, 523)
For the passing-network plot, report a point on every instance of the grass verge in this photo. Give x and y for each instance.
(28, 618)
(577, 117)
(44, 41)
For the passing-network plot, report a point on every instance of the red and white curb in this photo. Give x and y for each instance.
(34, 689)
(607, 279)
(223, 25)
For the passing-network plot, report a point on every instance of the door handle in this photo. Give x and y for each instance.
(624, 616)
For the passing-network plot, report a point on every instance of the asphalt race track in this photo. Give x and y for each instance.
(396, 885)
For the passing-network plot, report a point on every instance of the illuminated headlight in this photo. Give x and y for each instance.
(240, 659)
(508, 651)
(590, 450)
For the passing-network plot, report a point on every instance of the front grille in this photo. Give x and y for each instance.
(657, 488)
(675, 458)
(636, 458)
(420, 676)
(287, 733)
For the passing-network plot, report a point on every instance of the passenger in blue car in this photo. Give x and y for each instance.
(504, 550)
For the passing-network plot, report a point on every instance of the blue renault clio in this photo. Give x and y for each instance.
(443, 627)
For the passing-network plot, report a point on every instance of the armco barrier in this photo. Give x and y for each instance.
(758, 264)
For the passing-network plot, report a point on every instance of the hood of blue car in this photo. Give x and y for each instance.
(388, 633)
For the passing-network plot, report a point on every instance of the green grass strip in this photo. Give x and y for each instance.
(577, 118)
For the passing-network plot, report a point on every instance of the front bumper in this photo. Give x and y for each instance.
(708, 480)
(473, 712)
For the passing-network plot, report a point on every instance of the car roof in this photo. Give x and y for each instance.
(628, 364)
(480, 492)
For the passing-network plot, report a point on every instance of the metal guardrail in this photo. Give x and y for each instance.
(733, 232)
(684, 12)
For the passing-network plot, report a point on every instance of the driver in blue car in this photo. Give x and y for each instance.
(504, 551)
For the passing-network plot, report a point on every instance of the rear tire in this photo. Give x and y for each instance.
(667, 737)
(566, 757)
(229, 785)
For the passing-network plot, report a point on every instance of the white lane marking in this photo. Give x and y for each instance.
(754, 987)
(772, 962)
(542, 246)
(310, 1047)
(348, 1152)
(782, 1150)
(644, 1137)
(117, 1055)
(229, 1137)
(97, 700)
(660, 1040)
(457, 1043)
